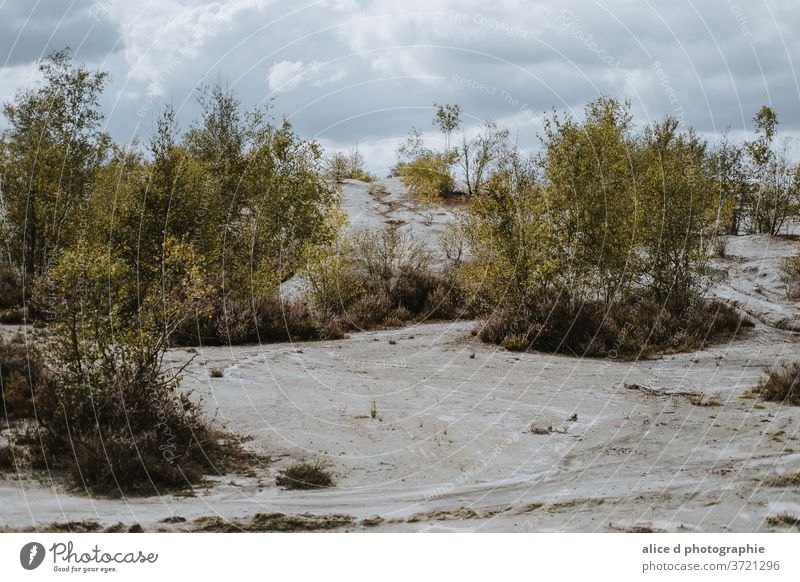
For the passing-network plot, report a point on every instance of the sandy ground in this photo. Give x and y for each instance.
(616, 446)
(752, 278)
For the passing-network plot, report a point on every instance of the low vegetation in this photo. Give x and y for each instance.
(11, 296)
(788, 480)
(634, 329)
(258, 319)
(342, 166)
(782, 384)
(22, 374)
(305, 476)
(10, 288)
(9, 458)
(784, 520)
(383, 278)
(113, 415)
(791, 268)
(606, 258)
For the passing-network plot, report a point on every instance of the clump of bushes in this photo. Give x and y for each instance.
(265, 319)
(425, 172)
(633, 328)
(782, 384)
(342, 166)
(305, 476)
(12, 316)
(784, 519)
(9, 457)
(112, 415)
(11, 297)
(375, 278)
(599, 254)
(234, 320)
(131, 434)
(791, 268)
(22, 373)
(10, 288)
(788, 480)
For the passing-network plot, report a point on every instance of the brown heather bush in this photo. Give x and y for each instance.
(634, 328)
(447, 301)
(234, 321)
(781, 385)
(124, 427)
(384, 278)
(267, 319)
(791, 268)
(305, 476)
(10, 288)
(22, 373)
(12, 316)
(136, 437)
(10, 457)
(784, 519)
(369, 309)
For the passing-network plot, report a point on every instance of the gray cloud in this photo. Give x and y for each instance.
(367, 71)
(29, 30)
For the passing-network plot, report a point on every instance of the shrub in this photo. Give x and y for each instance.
(125, 427)
(782, 385)
(22, 373)
(305, 476)
(426, 173)
(413, 289)
(380, 278)
(12, 316)
(265, 319)
(788, 480)
(10, 288)
(791, 268)
(446, 301)
(9, 457)
(216, 373)
(342, 166)
(784, 519)
(719, 247)
(113, 416)
(370, 309)
(428, 177)
(629, 329)
(332, 327)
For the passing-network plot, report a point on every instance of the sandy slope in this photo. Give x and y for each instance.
(751, 277)
(386, 202)
(452, 449)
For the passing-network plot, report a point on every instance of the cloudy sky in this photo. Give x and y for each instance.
(366, 71)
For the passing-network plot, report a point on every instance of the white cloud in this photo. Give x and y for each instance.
(339, 5)
(14, 78)
(288, 75)
(162, 36)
